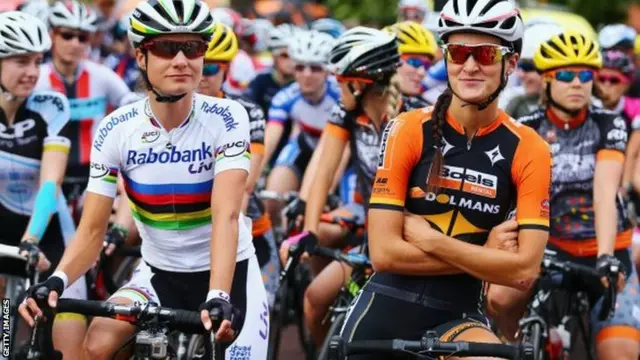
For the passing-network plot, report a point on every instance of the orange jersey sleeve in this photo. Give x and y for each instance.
(400, 151)
(337, 131)
(257, 148)
(531, 174)
(610, 154)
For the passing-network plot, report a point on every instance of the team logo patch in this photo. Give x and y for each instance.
(469, 181)
(494, 155)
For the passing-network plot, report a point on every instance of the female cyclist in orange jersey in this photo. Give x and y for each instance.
(461, 169)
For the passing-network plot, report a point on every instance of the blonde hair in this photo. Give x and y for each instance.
(394, 97)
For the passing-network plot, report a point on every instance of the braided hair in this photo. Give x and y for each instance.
(394, 98)
(438, 119)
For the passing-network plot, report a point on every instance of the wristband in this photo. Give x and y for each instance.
(62, 276)
(218, 294)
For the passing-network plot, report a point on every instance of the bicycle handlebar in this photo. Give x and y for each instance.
(590, 281)
(429, 345)
(181, 320)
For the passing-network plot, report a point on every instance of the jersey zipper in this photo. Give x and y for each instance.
(464, 173)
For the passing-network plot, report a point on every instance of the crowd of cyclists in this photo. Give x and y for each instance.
(463, 146)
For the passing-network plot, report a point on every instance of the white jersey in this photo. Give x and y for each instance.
(94, 92)
(290, 105)
(168, 176)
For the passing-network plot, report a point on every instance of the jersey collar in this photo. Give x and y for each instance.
(571, 124)
(502, 116)
(155, 123)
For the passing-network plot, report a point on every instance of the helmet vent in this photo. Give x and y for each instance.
(488, 24)
(509, 23)
(488, 6)
(470, 5)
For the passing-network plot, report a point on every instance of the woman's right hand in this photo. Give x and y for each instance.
(28, 248)
(305, 238)
(504, 236)
(51, 289)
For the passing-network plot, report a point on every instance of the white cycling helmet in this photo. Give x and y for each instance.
(280, 36)
(262, 28)
(37, 8)
(364, 52)
(74, 15)
(413, 4)
(499, 18)
(161, 17)
(228, 17)
(22, 33)
(330, 26)
(311, 47)
(537, 33)
(619, 35)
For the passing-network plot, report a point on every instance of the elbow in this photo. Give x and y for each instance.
(380, 260)
(524, 278)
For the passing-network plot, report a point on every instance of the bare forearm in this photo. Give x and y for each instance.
(316, 198)
(224, 246)
(272, 136)
(81, 253)
(492, 265)
(407, 259)
(344, 162)
(606, 219)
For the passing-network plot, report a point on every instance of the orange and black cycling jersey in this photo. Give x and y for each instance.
(255, 208)
(595, 134)
(506, 166)
(356, 127)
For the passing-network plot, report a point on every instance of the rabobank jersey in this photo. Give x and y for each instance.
(290, 105)
(95, 90)
(168, 176)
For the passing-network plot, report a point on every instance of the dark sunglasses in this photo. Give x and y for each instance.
(483, 54)
(568, 75)
(281, 54)
(526, 66)
(168, 49)
(82, 37)
(313, 68)
(213, 69)
(417, 62)
(612, 79)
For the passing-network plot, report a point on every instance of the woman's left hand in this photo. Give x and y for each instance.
(418, 231)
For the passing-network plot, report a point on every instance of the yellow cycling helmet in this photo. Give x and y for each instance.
(223, 45)
(570, 48)
(636, 45)
(413, 38)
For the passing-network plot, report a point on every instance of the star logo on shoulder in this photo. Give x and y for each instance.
(494, 155)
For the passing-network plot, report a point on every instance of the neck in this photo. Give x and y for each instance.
(316, 96)
(611, 105)
(279, 77)
(10, 108)
(374, 106)
(170, 115)
(66, 69)
(470, 117)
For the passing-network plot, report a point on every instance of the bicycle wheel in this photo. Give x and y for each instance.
(334, 329)
(278, 321)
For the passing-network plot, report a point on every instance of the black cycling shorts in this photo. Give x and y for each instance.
(374, 316)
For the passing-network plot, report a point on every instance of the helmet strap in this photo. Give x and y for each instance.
(572, 113)
(159, 97)
(7, 95)
(484, 104)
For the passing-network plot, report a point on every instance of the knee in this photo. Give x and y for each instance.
(501, 300)
(617, 349)
(97, 343)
